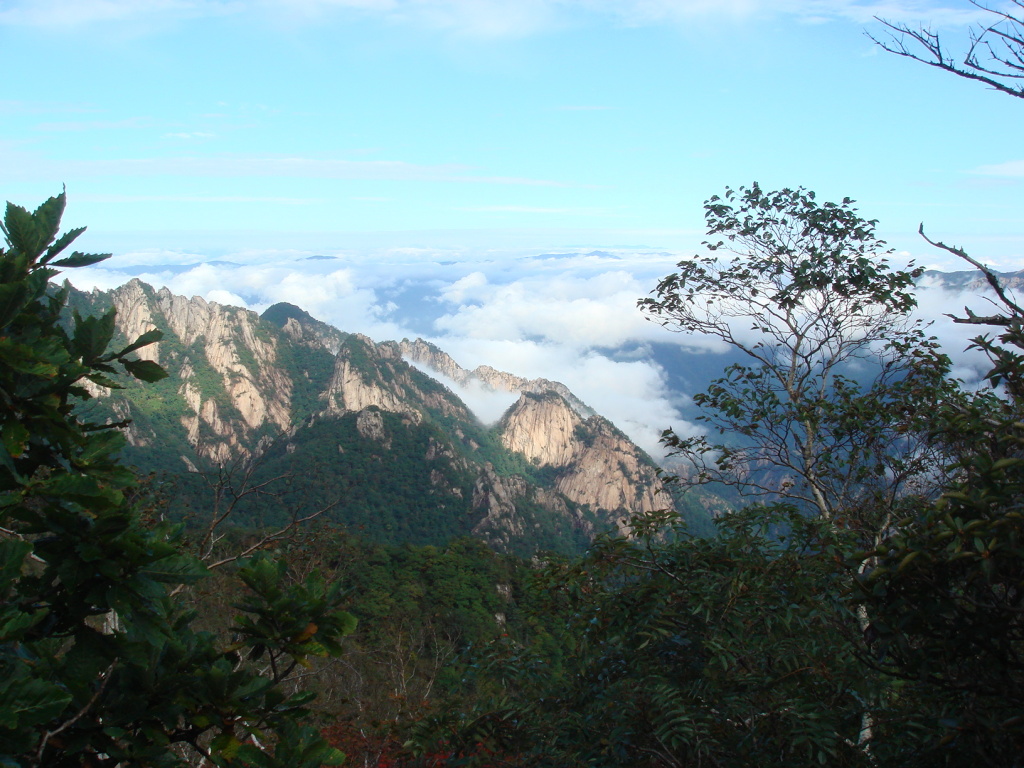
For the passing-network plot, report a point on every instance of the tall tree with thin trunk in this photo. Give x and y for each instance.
(828, 410)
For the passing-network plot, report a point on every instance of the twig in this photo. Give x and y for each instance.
(105, 677)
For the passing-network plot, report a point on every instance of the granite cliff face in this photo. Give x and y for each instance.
(368, 374)
(230, 385)
(350, 424)
(597, 465)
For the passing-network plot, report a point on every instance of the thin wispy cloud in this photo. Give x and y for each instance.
(101, 198)
(533, 209)
(21, 107)
(297, 167)
(1010, 169)
(480, 18)
(647, 12)
(75, 13)
(127, 123)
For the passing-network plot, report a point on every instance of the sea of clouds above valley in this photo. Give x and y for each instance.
(568, 316)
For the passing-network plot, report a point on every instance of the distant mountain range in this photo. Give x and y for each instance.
(972, 280)
(333, 420)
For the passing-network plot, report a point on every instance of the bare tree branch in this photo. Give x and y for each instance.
(1002, 43)
(104, 678)
(231, 486)
(990, 277)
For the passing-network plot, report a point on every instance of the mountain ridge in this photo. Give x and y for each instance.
(353, 418)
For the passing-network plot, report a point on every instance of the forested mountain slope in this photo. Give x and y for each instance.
(348, 425)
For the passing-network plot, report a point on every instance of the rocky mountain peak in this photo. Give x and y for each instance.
(598, 465)
(230, 383)
(303, 328)
(369, 374)
(344, 412)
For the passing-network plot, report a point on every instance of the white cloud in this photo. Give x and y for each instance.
(225, 297)
(633, 395)
(583, 312)
(470, 287)
(1011, 169)
(934, 304)
(487, 404)
(559, 311)
(566, 317)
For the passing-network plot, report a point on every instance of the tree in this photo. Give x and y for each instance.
(740, 649)
(677, 651)
(809, 297)
(994, 55)
(944, 587)
(98, 665)
(832, 413)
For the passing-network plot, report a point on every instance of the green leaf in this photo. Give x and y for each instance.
(12, 554)
(77, 259)
(907, 560)
(61, 243)
(93, 335)
(145, 370)
(26, 702)
(67, 484)
(47, 220)
(226, 745)
(21, 231)
(13, 297)
(149, 337)
(14, 436)
(14, 624)
(179, 569)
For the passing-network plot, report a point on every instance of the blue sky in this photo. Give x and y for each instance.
(436, 153)
(540, 122)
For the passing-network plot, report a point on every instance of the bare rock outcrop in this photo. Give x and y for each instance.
(351, 390)
(541, 428)
(370, 424)
(597, 465)
(497, 498)
(239, 381)
(135, 316)
(226, 340)
(368, 374)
